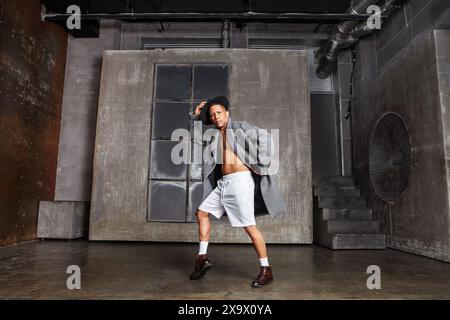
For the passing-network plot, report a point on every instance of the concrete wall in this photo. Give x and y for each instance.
(32, 60)
(76, 143)
(324, 136)
(268, 88)
(79, 112)
(442, 42)
(416, 17)
(82, 82)
(250, 35)
(404, 76)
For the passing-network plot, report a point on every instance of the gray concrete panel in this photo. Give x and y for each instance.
(268, 88)
(63, 220)
(121, 160)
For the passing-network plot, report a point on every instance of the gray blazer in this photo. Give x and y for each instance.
(268, 198)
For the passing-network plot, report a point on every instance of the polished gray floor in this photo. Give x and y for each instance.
(117, 270)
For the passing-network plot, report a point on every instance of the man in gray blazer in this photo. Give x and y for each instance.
(237, 180)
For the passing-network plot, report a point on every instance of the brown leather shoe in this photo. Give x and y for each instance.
(264, 277)
(202, 265)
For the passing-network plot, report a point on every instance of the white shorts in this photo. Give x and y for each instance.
(235, 195)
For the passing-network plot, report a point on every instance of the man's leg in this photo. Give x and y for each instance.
(204, 226)
(265, 274)
(213, 204)
(202, 264)
(258, 241)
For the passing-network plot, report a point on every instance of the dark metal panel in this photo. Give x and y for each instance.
(162, 166)
(167, 117)
(195, 199)
(210, 81)
(196, 167)
(173, 82)
(167, 201)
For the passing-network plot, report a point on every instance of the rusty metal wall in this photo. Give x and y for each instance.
(32, 62)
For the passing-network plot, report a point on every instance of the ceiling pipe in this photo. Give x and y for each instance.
(211, 16)
(348, 33)
(363, 29)
(330, 49)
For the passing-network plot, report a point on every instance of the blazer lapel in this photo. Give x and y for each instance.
(231, 139)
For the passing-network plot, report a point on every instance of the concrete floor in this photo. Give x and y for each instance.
(115, 270)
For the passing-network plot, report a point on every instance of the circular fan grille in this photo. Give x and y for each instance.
(390, 157)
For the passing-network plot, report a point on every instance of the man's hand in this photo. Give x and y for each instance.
(198, 108)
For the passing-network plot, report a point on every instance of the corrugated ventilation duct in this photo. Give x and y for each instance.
(347, 33)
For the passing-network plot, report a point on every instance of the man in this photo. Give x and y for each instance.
(231, 186)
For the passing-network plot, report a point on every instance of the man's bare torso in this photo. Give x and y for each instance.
(231, 162)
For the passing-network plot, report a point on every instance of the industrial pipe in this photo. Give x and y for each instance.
(347, 34)
(209, 16)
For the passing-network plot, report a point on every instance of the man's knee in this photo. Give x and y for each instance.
(252, 230)
(201, 215)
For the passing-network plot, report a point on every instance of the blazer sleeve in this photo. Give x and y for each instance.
(263, 140)
(192, 116)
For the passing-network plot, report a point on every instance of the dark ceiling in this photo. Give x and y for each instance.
(207, 10)
(203, 6)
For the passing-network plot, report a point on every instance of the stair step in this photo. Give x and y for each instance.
(336, 191)
(335, 181)
(358, 241)
(346, 202)
(343, 221)
(346, 214)
(349, 226)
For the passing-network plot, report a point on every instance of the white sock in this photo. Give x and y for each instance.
(203, 247)
(264, 262)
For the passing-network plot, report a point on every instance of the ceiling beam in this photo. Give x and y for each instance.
(251, 16)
